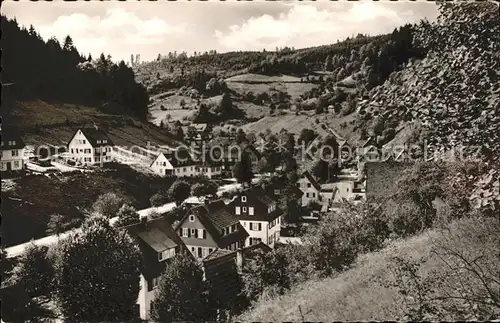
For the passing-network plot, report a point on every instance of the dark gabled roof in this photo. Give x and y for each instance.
(155, 236)
(280, 184)
(214, 216)
(93, 135)
(10, 134)
(311, 179)
(199, 126)
(258, 193)
(179, 155)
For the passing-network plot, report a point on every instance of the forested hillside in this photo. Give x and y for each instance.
(51, 71)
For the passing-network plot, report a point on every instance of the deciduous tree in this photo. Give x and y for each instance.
(97, 273)
(182, 294)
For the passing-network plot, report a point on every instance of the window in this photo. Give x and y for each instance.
(243, 199)
(210, 250)
(244, 224)
(184, 169)
(72, 151)
(191, 218)
(308, 185)
(254, 241)
(313, 194)
(244, 209)
(250, 210)
(193, 232)
(16, 163)
(14, 153)
(98, 141)
(223, 231)
(233, 227)
(238, 212)
(185, 232)
(202, 234)
(255, 226)
(200, 252)
(105, 141)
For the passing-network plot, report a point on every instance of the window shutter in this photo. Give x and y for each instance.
(204, 234)
(196, 233)
(260, 226)
(189, 233)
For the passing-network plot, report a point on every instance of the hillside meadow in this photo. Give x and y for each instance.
(366, 292)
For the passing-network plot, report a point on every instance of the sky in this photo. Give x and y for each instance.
(151, 28)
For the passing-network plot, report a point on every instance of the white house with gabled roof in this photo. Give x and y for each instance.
(90, 146)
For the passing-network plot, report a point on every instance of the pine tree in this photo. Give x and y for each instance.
(328, 63)
(68, 44)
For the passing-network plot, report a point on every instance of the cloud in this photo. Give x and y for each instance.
(117, 32)
(305, 25)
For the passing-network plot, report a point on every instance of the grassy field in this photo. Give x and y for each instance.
(58, 122)
(295, 90)
(357, 294)
(259, 78)
(32, 201)
(262, 83)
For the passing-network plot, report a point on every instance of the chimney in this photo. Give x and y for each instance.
(144, 222)
(239, 260)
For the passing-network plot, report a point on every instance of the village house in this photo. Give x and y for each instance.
(12, 150)
(209, 226)
(197, 133)
(177, 162)
(258, 214)
(310, 187)
(277, 189)
(210, 170)
(326, 194)
(158, 244)
(90, 146)
(222, 269)
(346, 152)
(234, 153)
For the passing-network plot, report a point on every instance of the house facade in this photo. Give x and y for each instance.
(310, 187)
(158, 244)
(259, 215)
(209, 170)
(174, 163)
(222, 269)
(12, 151)
(90, 146)
(210, 226)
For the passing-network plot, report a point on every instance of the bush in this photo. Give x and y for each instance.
(159, 198)
(34, 271)
(108, 204)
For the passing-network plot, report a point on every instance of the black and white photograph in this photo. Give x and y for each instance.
(250, 161)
